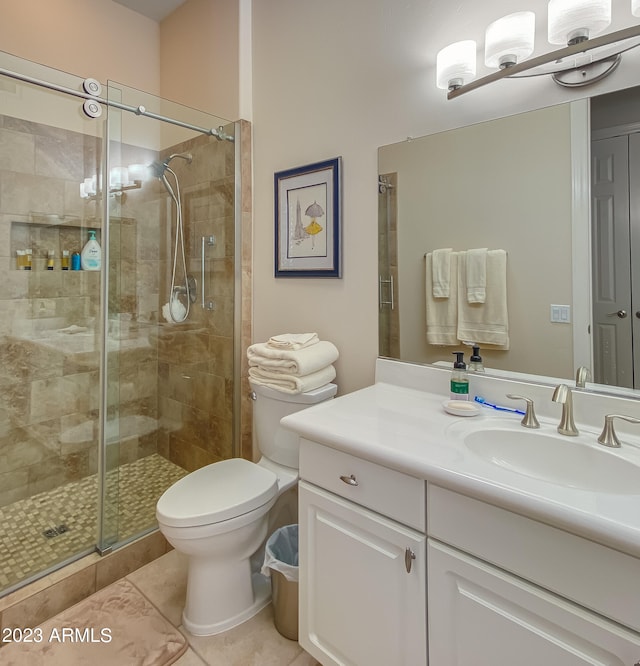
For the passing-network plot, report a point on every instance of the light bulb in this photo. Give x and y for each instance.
(509, 39)
(572, 21)
(456, 64)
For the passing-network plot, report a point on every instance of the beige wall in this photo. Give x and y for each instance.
(342, 78)
(329, 78)
(90, 38)
(199, 56)
(192, 57)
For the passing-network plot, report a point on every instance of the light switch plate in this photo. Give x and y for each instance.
(560, 314)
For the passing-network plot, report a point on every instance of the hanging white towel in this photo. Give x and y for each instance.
(292, 383)
(441, 272)
(442, 313)
(485, 323)
(293, 362)
(293, 340)
(476, 275)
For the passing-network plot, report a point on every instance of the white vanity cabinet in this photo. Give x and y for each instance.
(505, 589)
(362, 561)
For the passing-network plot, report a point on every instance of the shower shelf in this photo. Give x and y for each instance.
(53, 220)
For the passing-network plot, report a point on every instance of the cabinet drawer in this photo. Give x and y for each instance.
(600, 578)
(383, 490)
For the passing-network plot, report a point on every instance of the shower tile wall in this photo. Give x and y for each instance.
(196, 364)
(47, 386)
(172, 385)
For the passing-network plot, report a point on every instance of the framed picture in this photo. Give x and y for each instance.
(307, 220)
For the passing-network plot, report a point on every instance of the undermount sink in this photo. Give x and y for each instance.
(555, 458)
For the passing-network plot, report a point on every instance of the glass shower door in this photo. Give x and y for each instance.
(49, 326)
(169, 384)
(104, 402)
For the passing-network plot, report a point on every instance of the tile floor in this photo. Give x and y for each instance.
(25, 551)
(254, 643)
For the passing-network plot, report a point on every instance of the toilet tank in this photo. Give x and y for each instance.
(269, 406)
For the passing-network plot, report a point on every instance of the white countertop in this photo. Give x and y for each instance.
(406, 430)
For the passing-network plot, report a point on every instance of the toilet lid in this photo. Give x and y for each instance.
(217, 492)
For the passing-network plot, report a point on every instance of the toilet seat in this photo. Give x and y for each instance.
(217, 492)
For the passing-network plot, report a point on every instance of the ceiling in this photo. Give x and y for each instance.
(153, 9)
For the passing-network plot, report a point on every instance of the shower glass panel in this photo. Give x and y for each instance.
(169, 294)
(104, 400)
(49, 327)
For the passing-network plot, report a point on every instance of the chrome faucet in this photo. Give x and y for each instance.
(583, 375)
(562, 394)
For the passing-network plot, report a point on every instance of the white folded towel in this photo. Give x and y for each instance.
(485, 323)
(476, 275)
(442, 313)
(441, 272)
(292, 383)
(297, 362)
(293, 340)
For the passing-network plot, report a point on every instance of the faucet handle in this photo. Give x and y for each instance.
(608, 435)
(529, 420)
(583, 375)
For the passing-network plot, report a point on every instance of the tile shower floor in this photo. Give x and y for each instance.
(26, 551)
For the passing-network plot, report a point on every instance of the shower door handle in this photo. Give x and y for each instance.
(210, 241)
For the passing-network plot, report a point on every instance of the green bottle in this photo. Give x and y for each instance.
(459, 378)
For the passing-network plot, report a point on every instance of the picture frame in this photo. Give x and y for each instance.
(308, 220)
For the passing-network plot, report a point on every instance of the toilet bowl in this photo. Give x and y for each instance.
(218, 516)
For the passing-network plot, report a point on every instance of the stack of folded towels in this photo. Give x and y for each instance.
(292, 362)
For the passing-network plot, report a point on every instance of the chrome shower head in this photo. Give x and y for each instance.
(158, 168)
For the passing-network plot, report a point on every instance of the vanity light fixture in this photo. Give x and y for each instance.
(121, 179)
(509, 43)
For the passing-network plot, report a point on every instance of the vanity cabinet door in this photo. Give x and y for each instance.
(480, 615)
(362, 584)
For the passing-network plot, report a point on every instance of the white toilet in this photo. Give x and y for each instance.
(218, 517)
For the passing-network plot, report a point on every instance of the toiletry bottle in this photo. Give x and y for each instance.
(20, 260)
(50, 260)
(91, 255)
(75, 261)
(64, 261)
(459, 378)
(475, 362)
(28, 259)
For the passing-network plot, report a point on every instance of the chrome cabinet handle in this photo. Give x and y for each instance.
(618, 313)
(349, 480)
(409, 556)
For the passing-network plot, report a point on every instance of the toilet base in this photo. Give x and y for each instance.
(262, 597)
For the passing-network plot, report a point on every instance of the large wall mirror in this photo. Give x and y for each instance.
(553, 188)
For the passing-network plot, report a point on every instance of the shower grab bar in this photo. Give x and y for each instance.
(381, 300)
(210, 241)
(138, 110)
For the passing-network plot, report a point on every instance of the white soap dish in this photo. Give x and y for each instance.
(460, 408)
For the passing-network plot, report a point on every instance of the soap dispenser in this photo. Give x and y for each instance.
(459, 378)
(91, 255)
(475, 362)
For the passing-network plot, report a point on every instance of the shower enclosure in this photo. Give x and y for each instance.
(105, 401)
